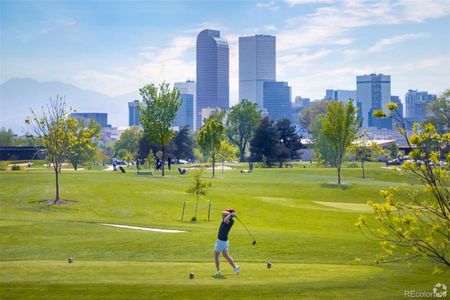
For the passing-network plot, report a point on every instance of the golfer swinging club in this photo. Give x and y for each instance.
(222, 240)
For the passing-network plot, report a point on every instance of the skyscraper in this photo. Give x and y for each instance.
(133, 113)
(100, 118)
(373, 92)
(212, 72)
(416, 104)
(277, 99)
(185, 114)
(396, 100)
(340, 95)
(257, 63)
(189, 87)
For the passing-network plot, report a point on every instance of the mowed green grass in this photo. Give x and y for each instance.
(312, 246)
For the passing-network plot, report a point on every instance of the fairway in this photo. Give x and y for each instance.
(302, 221)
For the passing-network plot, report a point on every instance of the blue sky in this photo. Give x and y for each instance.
(115, 47)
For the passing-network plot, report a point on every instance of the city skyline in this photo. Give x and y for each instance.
(116, 48)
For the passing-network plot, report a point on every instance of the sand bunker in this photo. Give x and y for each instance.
(349, 206)
(144, 228)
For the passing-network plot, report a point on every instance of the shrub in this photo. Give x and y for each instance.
(352, 165)
(4, 165)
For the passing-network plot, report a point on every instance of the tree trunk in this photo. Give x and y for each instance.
(75, 166)
(196, 208)
(57, 199)
(162, 161)
(213, 163)
(339, 174)
(223, 160)
(362, 165)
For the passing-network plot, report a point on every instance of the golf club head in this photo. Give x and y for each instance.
(254, 242)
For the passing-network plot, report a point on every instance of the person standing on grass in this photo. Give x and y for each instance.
(222, 241)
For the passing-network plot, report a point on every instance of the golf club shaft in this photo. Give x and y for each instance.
(246, 228)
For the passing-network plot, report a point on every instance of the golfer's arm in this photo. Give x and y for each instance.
(227, 218)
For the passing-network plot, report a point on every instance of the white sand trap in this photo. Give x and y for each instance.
(349, 206)
(145, 228)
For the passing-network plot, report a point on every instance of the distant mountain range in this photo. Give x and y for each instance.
(18, 95)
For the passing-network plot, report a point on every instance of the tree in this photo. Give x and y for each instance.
(150, 161)
(6, 137)
(322, 150)
(265, 143)
(393, 151)
(289, 138)
(226, 152)
(198, 187)
(363, 150)
(340, 128)
(129, 142)
(440, 109)
(82, 145)
(183, 144)
(210, 138)
(56, 127)
(158, 113)
(416, 220)
(309, 114)
(241, 122)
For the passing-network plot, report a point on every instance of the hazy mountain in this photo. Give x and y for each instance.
(18, 95)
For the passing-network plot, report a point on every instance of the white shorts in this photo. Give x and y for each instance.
(221, 245)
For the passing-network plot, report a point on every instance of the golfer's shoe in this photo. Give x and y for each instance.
(218, 274)
(237, 270)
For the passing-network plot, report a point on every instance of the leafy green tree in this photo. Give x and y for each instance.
(265, 143)
(56, 127)
(158, 113)
(129, 142)
(241, 121)
(440, 110)
(210, 138)
(393, 151)
(323, 152)
(150, 161)
(420, 221)
(363, 150)
(340, 128)
(82, 144)
(309, 115)
(289, 138)
(6, 137)
(199, 187)
(226, 152)
(183, 144)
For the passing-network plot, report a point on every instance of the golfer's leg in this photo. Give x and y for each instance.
(216, 260)
(228, 257)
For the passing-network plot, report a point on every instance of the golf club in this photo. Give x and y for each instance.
(254, 241)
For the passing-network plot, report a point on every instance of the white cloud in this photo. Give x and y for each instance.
(269, 5)
(175, 62)
(299, 2)
(298, 62)
(383, 43)
(419, 11)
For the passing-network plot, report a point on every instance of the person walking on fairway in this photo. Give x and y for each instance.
(222, 241)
